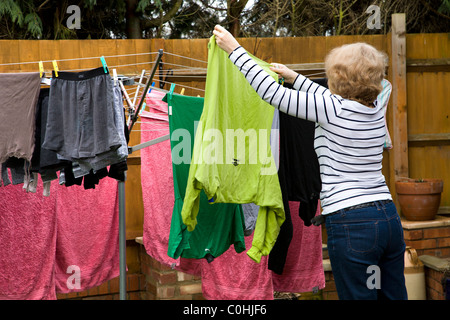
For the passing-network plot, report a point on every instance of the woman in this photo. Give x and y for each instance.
(365, 236)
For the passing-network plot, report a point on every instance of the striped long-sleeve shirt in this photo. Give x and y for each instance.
(349, 136)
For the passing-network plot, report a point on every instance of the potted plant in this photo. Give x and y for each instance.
(419, 199)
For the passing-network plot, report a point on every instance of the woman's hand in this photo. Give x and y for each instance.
(284, 72)
(224, 39)
(228, 43)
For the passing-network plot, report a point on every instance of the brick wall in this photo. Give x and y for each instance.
(329, 292)
(437, 271)
(433, 283)
(164, 283)
(429, 237)
(109, 290)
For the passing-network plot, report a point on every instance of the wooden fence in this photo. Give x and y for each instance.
(418, 112)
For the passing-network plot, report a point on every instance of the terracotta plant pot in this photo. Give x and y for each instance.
(419, 199)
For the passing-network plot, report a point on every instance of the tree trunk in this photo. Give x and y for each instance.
(133, 25)
(235, 8)
(235, 27)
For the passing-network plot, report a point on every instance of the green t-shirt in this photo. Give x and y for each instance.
(219, 226)
(232, 161)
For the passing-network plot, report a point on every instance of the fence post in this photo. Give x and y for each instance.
(400, 126)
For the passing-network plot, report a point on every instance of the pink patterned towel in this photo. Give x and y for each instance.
(234, 276)
(157, 185)
(27, 243)
(303, 271)
(66, 242)
(87, 248)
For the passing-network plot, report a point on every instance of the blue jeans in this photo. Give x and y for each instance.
(366, 249)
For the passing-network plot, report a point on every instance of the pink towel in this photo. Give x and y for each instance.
(234, 276)
(157, 186)
(303, 270)
(27, 243)
(87, 250)
(154, 101)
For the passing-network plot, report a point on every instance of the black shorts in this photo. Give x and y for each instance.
(80, 120)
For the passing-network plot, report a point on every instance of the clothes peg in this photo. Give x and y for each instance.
(41, 69)
(105, 66)
(55, 68)
(172, 87)
(182, 92)
(143, 108)
(115, 77)
(150, 90)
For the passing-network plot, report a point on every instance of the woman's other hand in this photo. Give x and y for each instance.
(225, 39)
(284, 72)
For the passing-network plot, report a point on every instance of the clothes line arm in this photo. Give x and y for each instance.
(148, 143)
(149, 81)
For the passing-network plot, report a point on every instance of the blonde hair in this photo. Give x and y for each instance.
(355, 72)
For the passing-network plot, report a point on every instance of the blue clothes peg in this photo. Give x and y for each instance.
(150, 90)
(172, 87)
(105, 66)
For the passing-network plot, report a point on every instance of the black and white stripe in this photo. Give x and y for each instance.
(349, 137)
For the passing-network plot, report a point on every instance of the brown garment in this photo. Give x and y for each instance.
(18, 99)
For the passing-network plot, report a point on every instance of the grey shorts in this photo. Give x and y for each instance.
(80, 120)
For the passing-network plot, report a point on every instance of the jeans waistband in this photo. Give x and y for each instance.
(80, 76)
(363, 205)
(318, 220)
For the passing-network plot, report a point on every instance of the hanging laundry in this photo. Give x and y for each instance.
(44, 161)
(87, 244)
(300, 167)
(251, 209)
(102, 160)
(299, 176)
(27, 243)
(84, 124)
(303, 267)
(17, 175)
(118, 169)
(80, 118)
(383, 99)
(157, 185)
(244, 172)
(19, 93)
(219, 225)
(234, 276)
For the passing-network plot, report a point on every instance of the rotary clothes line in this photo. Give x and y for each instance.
(133, 110)
(30, 102)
